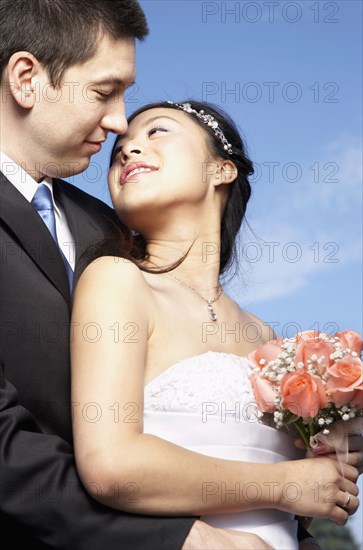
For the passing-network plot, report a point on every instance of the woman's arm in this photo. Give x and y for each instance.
(41, 494)
(127, 469)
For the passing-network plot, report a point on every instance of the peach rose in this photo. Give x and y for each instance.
(312, 345)
(352, 340)
(311, 335)
(303, 394)
(265, 393)
(267, 352)
(345, 378)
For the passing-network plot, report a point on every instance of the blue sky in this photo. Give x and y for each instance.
(289, 73)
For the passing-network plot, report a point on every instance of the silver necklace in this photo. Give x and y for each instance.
(211, 312)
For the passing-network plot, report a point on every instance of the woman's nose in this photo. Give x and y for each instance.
(130, 149)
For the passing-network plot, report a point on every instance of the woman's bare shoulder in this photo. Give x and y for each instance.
(111, 266)
(112, 274)
(263, 330)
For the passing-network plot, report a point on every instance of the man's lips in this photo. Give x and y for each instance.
(134, 169)
(95, 145)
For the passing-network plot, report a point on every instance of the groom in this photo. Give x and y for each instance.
(64, 69)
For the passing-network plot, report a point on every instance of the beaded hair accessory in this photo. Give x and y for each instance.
(209, 120)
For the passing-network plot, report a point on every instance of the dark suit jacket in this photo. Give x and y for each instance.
(43, 503)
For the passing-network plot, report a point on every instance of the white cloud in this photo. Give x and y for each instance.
(316, 227)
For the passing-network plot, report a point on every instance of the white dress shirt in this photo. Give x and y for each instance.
(27, 186)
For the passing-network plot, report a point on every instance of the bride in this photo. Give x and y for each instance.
(165, 421)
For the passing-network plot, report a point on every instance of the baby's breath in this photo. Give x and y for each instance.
(285, 363)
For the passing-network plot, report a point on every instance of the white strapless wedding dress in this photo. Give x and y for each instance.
(205, 403)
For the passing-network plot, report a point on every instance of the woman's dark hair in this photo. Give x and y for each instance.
(61, 33)
(133, 246)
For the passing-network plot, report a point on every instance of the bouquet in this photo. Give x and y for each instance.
(309, 381)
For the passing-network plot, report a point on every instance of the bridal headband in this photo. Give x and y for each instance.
(209, 120)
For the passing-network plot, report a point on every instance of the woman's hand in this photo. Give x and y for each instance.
(353, 429)
(321, 489)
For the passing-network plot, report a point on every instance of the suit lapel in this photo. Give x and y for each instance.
(84, 228)
(31, 232)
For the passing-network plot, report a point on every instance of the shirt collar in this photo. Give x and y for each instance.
(24, 183)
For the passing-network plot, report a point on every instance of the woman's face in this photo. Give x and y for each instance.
(162, 162)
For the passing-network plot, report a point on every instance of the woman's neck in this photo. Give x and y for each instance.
(201, 266)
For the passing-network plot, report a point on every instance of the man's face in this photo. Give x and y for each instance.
(67, 125)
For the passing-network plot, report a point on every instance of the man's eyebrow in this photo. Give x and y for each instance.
(110, 79)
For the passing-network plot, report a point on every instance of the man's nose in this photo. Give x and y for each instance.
(115, 119)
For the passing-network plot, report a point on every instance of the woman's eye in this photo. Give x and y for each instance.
(153, 131)
(116, 156)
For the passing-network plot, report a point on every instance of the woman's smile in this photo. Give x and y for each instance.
(135, 169)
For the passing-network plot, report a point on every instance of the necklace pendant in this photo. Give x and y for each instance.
(212, 313)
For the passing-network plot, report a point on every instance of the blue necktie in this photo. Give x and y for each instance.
(43, 203)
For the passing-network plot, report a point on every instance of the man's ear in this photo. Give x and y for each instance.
(21, 69)
(226, 173)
